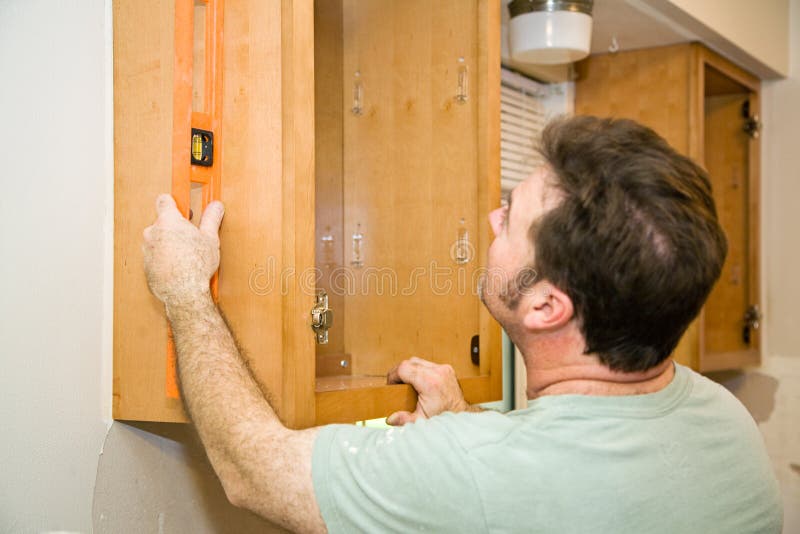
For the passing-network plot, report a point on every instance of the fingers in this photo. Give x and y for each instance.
(212, 218)
(166, 207)
(401, 418)
(405, 373)
(393, 376)
(411, 371)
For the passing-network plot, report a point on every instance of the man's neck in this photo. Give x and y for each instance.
(556, 365)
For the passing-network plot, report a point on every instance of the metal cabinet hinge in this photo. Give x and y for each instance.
(321, 318)
(752, 124)
(752, 321)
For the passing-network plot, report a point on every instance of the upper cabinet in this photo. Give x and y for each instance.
(356, 148)
(708, 109)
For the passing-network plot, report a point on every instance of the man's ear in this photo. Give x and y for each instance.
(546, 307)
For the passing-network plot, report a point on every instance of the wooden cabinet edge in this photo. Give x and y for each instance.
(729, 361)
(350, 405)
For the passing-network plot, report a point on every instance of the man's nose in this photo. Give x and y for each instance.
(496, 221)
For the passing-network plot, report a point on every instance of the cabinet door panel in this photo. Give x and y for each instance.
(410, 177)
(727, 164)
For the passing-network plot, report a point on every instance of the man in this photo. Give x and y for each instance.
(623, 235)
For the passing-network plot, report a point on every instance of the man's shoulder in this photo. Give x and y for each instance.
(713, 398)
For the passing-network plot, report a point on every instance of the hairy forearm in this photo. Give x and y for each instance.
(263, 466)
(218, 390)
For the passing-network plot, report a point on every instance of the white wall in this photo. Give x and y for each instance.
(56, 262)
(781, 218)
(781, 175)
(772, 392)
(53, 222)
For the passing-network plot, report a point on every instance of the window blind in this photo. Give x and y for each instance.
(526, 106)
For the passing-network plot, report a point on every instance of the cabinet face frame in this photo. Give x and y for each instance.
(268, 102)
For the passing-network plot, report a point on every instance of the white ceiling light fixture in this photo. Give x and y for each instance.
(549, 32)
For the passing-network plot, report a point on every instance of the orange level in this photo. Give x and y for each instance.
(197, 104)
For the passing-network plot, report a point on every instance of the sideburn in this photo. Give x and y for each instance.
(517, 287)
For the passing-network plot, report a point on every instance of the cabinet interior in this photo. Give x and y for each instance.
(398, 186)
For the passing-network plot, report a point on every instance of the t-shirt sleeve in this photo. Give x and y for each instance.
(414, 478)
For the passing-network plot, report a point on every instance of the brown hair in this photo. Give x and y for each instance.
(635, 242)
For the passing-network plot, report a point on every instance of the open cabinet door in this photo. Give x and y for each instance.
(265, 177)
(407, 161)
(731, 335)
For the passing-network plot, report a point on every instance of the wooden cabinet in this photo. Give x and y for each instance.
(707, 108)
(358, 155)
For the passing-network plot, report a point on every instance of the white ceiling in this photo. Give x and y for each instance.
(635, 25)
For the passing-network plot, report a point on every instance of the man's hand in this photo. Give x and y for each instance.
(180, 259)
(437, 388)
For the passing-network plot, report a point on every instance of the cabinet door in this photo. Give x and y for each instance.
(266, 175)
(731, 333)
(407, 172)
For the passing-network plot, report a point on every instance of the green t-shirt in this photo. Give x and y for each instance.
(688, 458)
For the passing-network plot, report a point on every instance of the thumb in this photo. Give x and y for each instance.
(212, 218)
(401, 418)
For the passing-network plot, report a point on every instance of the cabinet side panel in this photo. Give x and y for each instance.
(650, 86)
(250, 283)
(143, 94)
